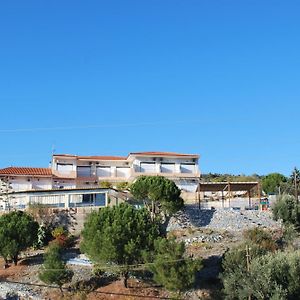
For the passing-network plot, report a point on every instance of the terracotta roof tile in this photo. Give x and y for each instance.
(97, 157)
(66, 155)
(103, 157)
(153, 153)
(162, 153)
(26, 171)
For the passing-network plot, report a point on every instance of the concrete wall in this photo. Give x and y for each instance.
(235, 202)
(25, 183)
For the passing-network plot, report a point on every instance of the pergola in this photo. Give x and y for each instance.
(228, 187)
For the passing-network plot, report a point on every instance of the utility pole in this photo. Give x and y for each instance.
(248, 263)
(295, 183)
(247, 258)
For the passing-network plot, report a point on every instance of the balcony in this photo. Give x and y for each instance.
(168, 175)
(70, 174)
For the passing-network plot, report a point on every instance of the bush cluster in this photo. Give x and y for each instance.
(260, 269)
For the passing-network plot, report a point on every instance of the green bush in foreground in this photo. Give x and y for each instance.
(54, 270)
(257, 242)
(287, 209)
(118, 236)
(271, 276)
(170, 268)
(18, 231)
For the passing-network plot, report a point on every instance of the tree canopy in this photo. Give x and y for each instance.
(216, 177)
(18, 231)
(119, 235)
(272, 182)
(287, 209)
(295, 175)
(54, 268)
(271, 276)
(169, 266)
(158, 193)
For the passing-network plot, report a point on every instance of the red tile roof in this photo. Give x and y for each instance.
(66, 155)
(162, 153)
(97, 157)
(26, 171)
(103, 157)
(152, 153)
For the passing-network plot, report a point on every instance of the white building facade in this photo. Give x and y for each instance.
(87, 172)
(79, 171)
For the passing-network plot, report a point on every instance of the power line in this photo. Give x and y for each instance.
(131, 266)
(88, 291)
(60, 128)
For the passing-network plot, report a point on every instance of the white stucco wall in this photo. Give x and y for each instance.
(21, 184)
(161, 160)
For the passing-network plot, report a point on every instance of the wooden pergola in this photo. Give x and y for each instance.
(228, 187)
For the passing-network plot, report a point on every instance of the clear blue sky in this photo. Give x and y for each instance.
(217, 78)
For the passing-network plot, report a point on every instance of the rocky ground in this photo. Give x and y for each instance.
(220, 219)
(206, 234)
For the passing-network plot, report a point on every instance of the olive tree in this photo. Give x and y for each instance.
(271, 276)
(287, 209)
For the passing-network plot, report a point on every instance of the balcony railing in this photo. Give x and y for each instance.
(171, 175)
(71, 174)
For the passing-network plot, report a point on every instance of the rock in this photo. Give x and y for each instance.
(221, 219)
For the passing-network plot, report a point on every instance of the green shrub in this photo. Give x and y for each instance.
(169, 266)
(272, 182)
(118, 235)
(106, 185)
(41, 237)
(272, 276)
(18, 231)
(123, 185)
(235, 258)
(58, 231)
(289, 234)
(61, 236)
(54, 269)
(261, 238)
(287, 209)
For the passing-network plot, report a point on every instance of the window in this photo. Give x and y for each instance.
(103, 171)
(167, 168)
(83, 171)
(187, 168)
(147, 167)
(188, 186)
(123, 172)
(64, 168)
(93, 199)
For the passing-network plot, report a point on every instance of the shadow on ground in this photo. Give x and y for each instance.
(94, 283)
(199, 217)
(208, 278)
(33, 260)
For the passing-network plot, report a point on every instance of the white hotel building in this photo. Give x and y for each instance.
(71, 172)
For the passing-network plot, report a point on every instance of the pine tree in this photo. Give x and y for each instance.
(119, 235)
(54, 269)
(160, 195)
(170, 268)
(18, 231)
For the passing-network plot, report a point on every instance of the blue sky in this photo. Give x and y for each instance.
(216, 78)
